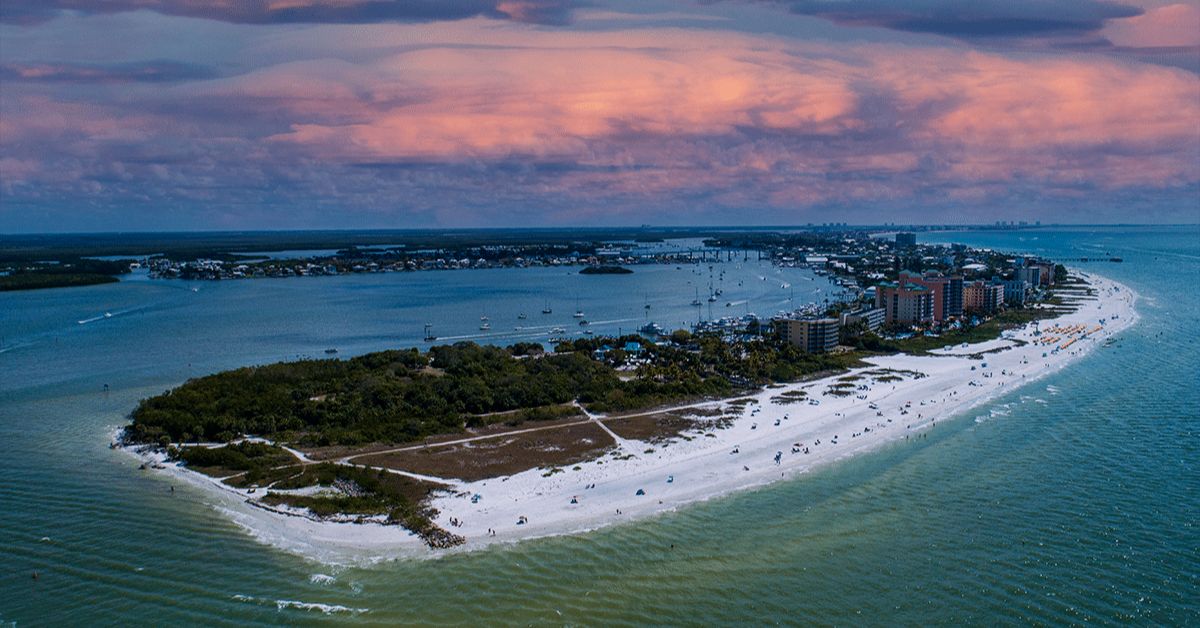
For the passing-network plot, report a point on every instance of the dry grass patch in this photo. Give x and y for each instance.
(502, 455)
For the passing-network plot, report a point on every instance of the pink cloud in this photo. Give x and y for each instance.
(615, 121)
(1161, 26)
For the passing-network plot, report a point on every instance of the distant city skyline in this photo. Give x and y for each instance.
(160, 115)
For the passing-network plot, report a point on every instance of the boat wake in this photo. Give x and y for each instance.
(105, 315)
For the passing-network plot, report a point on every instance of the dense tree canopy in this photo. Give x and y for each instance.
(404, 395)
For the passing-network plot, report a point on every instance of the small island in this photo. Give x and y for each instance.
(605, 270)
(37, 275)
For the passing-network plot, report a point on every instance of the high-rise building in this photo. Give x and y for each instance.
(1032, 275)
(812, 335)
(947, 293)
(905, 302)
(982, 297)
(906, 239)
(1014, 291)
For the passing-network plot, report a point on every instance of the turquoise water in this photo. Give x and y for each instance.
(1073, 500)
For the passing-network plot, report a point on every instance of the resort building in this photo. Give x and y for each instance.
(1015, 291)
(874, 318)
(812, 335)
(1031, 274)
(947, 293)
(981, 296)
(905, 302)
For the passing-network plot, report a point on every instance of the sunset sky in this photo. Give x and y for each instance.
(251, 114)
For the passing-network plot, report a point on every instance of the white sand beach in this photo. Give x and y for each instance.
(769, 441)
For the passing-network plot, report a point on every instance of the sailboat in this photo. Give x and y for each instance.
(429, 337)
(696, 301)
(578, 310)
(484, 323)
(547, 310)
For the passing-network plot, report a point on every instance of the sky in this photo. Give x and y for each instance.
(121, 115)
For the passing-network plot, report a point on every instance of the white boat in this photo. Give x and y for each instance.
(485, 326)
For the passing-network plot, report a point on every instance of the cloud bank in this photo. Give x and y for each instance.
(487, 121)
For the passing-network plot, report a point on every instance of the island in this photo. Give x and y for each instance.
(467, 445)
(35, 275)
(605, 270)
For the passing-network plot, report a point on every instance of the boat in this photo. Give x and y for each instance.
(330, 351)
(559, 330)
(485, 326)
(696, 301)
(521, 316)
(547, 310)
(651, 329)
(583, 322)
(429, 337)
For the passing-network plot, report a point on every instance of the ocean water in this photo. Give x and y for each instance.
(1073, 500)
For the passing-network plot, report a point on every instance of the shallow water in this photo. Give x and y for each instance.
(1071, 500)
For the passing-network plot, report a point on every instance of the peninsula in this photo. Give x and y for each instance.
(389, 452)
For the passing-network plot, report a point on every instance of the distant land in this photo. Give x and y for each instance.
(605, 270)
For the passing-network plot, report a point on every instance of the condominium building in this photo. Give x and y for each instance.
(947, 293)
(905, 302)
(812, 335)
(981, 296)
(1015, 291)
(873, 318)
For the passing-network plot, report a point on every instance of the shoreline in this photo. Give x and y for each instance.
(690, 471)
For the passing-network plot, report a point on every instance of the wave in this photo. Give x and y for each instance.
(323, 579)
(328, 609)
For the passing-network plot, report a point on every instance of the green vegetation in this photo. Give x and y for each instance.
(244, 456)
(404, 395)
(39, 280)
(517, 417)
(70, 273)
(365, 492)
(390, 396)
